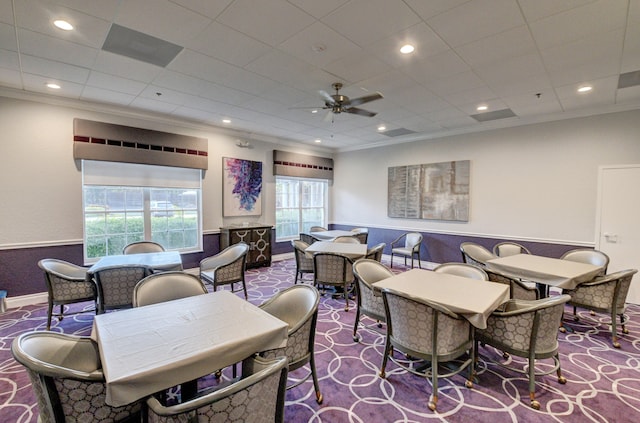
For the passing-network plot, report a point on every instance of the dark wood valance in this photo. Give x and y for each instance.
(302, 165)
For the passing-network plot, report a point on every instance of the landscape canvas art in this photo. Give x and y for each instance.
(242, 187)
(434, 191)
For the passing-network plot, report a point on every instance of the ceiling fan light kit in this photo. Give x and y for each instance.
(339, 103)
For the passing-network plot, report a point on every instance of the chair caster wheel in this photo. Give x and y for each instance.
(382, 375)
(468, 384)
(562, 380)
(616, 344)
(356, 339)
(625, 331)
(432, 406)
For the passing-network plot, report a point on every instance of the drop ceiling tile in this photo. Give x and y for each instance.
(200, 87)
(224, 43)
(208, 8)
(479, 18)
(517, 86)
(428, 9)
(440, 66)
(6, 12)
(108, 96)
(50, 69)
(271, 22)
(164, 20)
(8, 37)
(627, 95)
(472, 96)
(604, 91)
(530, 104)
(358, 66)
(10, 78)
(125, 67)
(461, 82)
(9, 60)
(103, 9)
(35, 44)
(515, 69)
(37, 83)
(495, 48)
(290, 96)
(318, 9)
(578, 23)
(376, 20)
(280, 66)
(631, 50)
(534, 10)
(115, 83)
(153, 105)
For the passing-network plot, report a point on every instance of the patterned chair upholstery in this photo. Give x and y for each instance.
(527, 329)
(589, 256)
(67, 379)
(517, 289)
(298, 306)
(375, 252)
(407, 245)
(333, 270)
(304, 263)
(475, 254)
(424, 330)
(166, 286)
(116, 283)
(142, 247)
(362, 234)
(369, 302)
(226, 268)
(462, 269)
(508, 248)
(257, 396)
(607, 294)
(308, 239)
(67, 283)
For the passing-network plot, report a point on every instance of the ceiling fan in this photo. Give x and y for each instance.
(339, 103)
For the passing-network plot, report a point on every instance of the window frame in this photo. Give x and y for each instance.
(301, 207)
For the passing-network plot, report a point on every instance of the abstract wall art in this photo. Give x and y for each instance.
(242, 187)
(434, 191)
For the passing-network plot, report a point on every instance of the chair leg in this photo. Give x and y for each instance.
(345, 292)
(244, 288)
(49, 315)
(314, 376)
(392, 260)
(388, 349)
(355, 325)
(532, 384)
(614, 329)
(433, 401)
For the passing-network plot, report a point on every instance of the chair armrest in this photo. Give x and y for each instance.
(212, 263)
(514, 307)
(397, 240)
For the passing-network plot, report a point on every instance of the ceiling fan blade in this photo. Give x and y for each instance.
(326, 97)
(361, 112)
(365, 99)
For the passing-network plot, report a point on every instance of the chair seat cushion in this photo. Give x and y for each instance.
(402, 250)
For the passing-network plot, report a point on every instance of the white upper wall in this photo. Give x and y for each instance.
(535, 182)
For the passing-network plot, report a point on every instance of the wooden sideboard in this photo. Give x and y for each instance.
(257, 237)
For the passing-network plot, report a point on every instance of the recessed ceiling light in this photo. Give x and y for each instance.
(407, 48)
(585, 89)
(381, 128)
(314, 111)
(317, 141)
(482, 108)
(226, 120)
(53, 86)
(63, 25)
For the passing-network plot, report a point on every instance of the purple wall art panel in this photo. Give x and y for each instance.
(242, 187)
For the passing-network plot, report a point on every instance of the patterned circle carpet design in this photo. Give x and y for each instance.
(603, 382)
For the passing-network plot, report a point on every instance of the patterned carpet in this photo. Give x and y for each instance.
(603, 383)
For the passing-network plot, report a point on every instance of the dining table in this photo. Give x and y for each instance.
(159, 261)
(147, 349)
(330, 235)
(547, 272)
(472, 299)
(352, 251)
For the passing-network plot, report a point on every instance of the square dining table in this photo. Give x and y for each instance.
(353, 251)
(473, 299)
(548, 271)
(147, 349)
(330, 235)
(160, 261)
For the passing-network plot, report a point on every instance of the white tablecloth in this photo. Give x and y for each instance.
(330, 235)
(353, 251)
(147, 349)
(167, 260)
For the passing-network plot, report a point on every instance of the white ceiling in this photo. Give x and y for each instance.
(254, 62)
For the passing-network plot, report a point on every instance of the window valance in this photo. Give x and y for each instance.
(302, 165)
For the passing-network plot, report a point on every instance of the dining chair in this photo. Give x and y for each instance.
(67, 379)
(347, 239)
(257, 396)
(332, 269)
(606, 294)
(427, 331)
(116, 283)
(298, 307)
(375, 252)
(167, 286)
(518, 289)
(317, 229)
(143, 247)
(369, 302)
(226, 268)
(527, 329)
(304, 263)
(362, 234)
(476, 254)
(308, 239)
(462, 269)
(508, 248)
(67, 283)
(407, 245)
(588, 256)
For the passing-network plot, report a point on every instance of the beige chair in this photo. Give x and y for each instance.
(588, 256)
(369, 302)
(304, 263)
(333, 270)
(257, 396)
(116, 284)
(507, 248)
(166, 286)
(67, 379)
(317, 229)
(142, 247)
(427, 331)
(375, 252)
(606, 294)
(527, 329)
(462, 269)
(67, 283)
(517, 289)
(362, 234)
(346, 239)
(298, 307)
(407, 245)
(226, 268)
(475, 254)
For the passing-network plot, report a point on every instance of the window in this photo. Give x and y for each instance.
(125, 202)
(300, 204)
